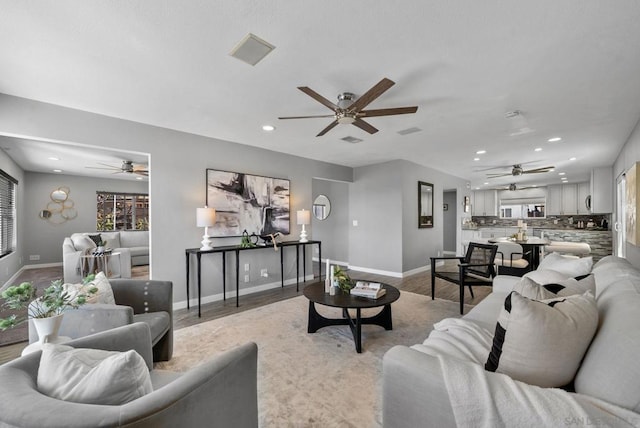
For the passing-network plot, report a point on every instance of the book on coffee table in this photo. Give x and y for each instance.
(370, 290)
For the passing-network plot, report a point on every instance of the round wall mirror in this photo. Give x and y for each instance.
(321, 207)
(59, 195)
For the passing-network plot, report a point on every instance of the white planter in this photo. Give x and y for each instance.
(48, 328)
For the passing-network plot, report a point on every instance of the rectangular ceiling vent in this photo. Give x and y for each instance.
(409, 131)
(352, 140)
(251, 49)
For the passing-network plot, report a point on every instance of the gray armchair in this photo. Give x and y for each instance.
(221, 392)
(148, 301)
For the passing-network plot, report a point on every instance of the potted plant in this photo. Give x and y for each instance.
(344, 282)
(48, 309)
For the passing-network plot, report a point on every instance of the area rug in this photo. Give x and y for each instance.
(312, 380)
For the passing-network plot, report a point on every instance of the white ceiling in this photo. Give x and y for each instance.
(572, 67)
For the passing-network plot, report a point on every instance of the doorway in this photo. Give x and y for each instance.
(619, 226)
(449, 220)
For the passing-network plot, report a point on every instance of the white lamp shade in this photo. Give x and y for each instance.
(303, 217)
(206, 217)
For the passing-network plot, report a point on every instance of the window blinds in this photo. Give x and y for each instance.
(7, 213)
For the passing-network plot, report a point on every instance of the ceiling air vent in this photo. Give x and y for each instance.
(251, 49)
(352, 140)
(409, 131)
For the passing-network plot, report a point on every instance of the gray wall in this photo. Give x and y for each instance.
(334, 230)
(384, 201)
(450, 220)
(44, 238)
(12, 262)
(629, 155)
(178, 162)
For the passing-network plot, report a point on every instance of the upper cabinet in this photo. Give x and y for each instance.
(562, 199)
(601, 190)
(484, 203)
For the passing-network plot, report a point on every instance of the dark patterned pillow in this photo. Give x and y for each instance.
(96, 238)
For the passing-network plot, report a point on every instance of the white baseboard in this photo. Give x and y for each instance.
(231, 293)
(14, 277)
(395, 274)
(336, 262)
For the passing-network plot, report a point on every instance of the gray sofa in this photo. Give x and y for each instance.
(132, 246)
(148, 301)
(220, 392)
(414, 387)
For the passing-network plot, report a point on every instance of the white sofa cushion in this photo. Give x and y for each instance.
(92, 376)
(559, 284)
(103, 295)
(82, 242)
(610, 370)
(571, 266)
(542, 342)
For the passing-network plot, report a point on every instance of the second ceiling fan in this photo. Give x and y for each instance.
(349, 110)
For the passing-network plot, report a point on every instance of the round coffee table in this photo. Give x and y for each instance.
(315, 293)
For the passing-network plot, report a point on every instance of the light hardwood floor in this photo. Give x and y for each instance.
(419, 283)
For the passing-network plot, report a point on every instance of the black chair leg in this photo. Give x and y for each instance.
(461, 299)
(471, 290)
(433, 279)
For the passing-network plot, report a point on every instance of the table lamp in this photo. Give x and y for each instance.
(304, 218)
(206, 217)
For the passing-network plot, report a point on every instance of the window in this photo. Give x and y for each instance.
(522, 208)
(7, 213)
(122, 211)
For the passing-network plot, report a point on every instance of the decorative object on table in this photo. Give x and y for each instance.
(246, 241)
(343, 280)
(370, 290)
(60, 208)
(54, 301)
(303, 218)
(252, 202)
(206, 217)
(271, 239)
(101, 247)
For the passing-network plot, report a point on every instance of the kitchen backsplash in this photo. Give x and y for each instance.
(551, 222)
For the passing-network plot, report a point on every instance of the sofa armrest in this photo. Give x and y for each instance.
(413, 391)
(89, 319)
(222, 392)
(505, 283)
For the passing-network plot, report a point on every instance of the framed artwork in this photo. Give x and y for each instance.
(248, 202)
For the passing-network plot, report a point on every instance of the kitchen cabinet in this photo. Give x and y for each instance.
(602, 190)
(484, 203)
(584, 190)
(468, 236)
(562, 199)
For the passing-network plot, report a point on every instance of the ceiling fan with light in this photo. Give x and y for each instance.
(513, 187)
(127, 167)
(349, 109)
(517, 170)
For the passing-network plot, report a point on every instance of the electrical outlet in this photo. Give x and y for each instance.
(246, 278)
(264, 273)
(34, 257)
(246, 267)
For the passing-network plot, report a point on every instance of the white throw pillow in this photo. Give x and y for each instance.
(571, 266)
(542, 342)
(103, 295)
(92, 376)
(555, 282)
(82, 242)
(530, 289)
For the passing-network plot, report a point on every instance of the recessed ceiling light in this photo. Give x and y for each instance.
(477, 188)
(481, 152)
(53, 158)
(572, 158)
(486, 182)
(138, 178)
(57, 170)
(554, 139)
(476, 159)
(537, 149)
(534, 185)
(561, 173)
(268, 128)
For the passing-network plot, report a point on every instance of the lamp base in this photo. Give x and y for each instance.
(206, 243)
(303, 235)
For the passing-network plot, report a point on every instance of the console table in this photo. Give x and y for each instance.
(237, 249)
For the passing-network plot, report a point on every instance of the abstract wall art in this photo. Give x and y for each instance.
(248, 202)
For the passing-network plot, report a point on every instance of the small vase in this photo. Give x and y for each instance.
(48, 328)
